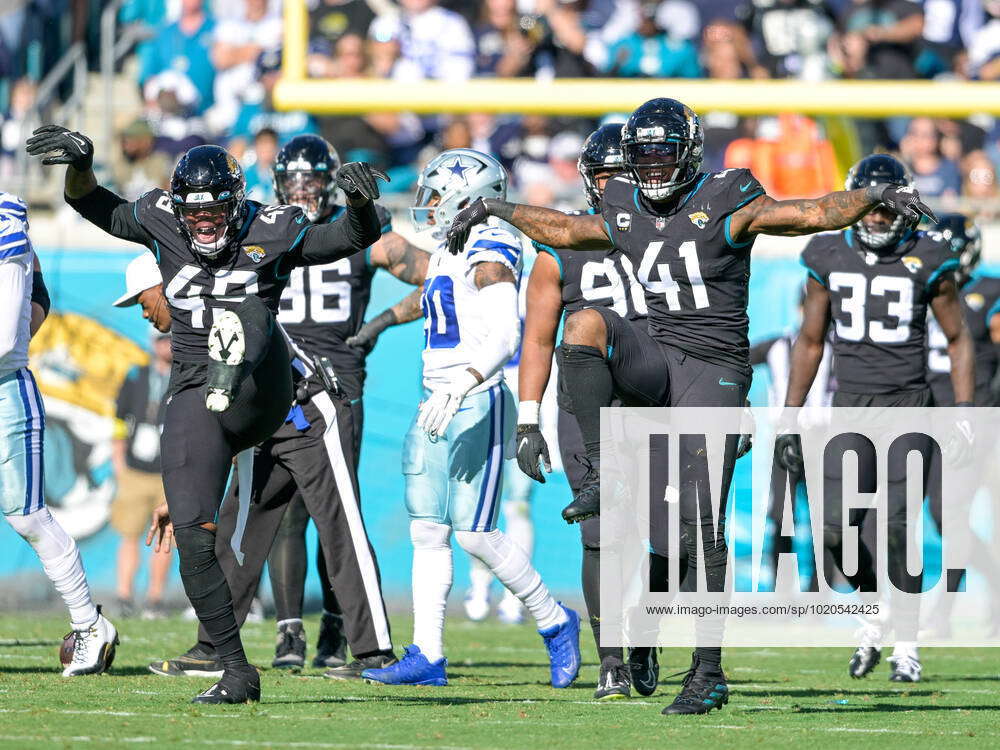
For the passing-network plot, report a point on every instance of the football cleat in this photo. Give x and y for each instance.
(290, 648)
(868, 653)
(613, 683)
(412, 669)
(353, 670)
(905, 668)
(702, 690)
(477, 608)
(644, 670)
(198, 661)
(563, 644)
(93, 649)
(226, 347)
(586, 501)
(331, 646)
(510, 611)
(234, 687)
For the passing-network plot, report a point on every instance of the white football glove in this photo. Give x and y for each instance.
(442, 405)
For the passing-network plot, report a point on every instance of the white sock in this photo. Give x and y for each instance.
(61, 561)
(480, 579)
(510, 564)
(906, 648)
(432, 576)
(520, 529)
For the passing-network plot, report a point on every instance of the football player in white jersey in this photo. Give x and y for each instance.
(454, 452)
(23, 306)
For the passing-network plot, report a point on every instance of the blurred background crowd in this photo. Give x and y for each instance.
(203, 71)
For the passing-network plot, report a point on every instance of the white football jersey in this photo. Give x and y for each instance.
(454, 322)
(16, 263)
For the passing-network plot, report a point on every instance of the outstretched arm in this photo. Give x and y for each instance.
(544, 225)
(808, 349)
(948, 313)
(791, 218)
(541, 321)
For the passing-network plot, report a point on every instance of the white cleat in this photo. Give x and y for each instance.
(226, 341)
(93, 649)
(510, 611)
(905, 668)
(477, 608)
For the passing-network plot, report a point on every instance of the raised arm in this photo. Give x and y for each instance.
(791, 218)
(948, 313)
(357, 229)
(544, 225)
(808, 349)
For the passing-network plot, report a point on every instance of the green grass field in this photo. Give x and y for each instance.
(498, 698)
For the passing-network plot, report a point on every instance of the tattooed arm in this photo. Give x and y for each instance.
(544, 225)
(791, 218)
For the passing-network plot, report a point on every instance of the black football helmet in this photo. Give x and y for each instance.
(966, 242)
(304, 172)
(880, 169)
(663, 147)
(208, 193)
(602, 152)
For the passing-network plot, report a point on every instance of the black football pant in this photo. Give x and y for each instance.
(319, 462)
(197, 449)
(287, 562)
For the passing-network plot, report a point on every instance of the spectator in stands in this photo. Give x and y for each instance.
(258, 165)
(556, 181)
(979, 181)
(184, 47)
(725, 52)
(16, 123)
(171, 103)
(558, 37)
(329, 22)
(790, 36)
(238, 43)
(881, 38)
(933, 175)
(139, 166)
(680, 19)
(424, 40)
(984, 47)
(502, 49)
(135, 450)
(258, 112)
(651, 53)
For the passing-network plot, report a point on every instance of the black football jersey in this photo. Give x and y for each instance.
(323, 306)
(597, 278)
(980, 300)
(197, 288)
(878, 304)
(696, 275)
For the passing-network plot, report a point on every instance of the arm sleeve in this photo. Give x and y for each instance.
(13, 277)
(112, 213)
(357, 229)
(39, 292)
(499, 301)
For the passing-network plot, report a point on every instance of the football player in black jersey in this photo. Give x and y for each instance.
(980, 299)
(323, 309)
(224, 261)
(689, 234)
(563, 282)
(876, 281)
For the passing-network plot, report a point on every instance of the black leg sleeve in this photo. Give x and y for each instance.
(286, 564)
(590, 385)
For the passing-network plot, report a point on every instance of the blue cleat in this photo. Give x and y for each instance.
(563, 643)
(412, 669)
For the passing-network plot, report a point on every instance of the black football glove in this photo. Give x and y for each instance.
(788, 448)
(357, 180)
(368, 334)
(531, 448)
(66, 147)
(462, 224)
(748, 426)
(958, 447)
(903, 200)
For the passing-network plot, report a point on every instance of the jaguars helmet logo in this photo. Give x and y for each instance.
(699, 219)
(912, 263)
(975, 301)
(254, 252)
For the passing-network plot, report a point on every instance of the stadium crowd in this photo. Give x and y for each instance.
(206, 69)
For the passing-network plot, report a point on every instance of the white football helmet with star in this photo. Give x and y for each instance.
(451, 181)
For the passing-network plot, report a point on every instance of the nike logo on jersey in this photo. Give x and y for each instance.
(723, 381)
(744, 188)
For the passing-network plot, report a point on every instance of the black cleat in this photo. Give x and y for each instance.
(587, 500)
(198, 661)
(613, 684)
(290, 649)
(331, 646)
(234, 687)
(703, 690)
(353, 670)
(644, 669)
(864, 660)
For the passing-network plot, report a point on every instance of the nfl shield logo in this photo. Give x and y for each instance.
(659, 223)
